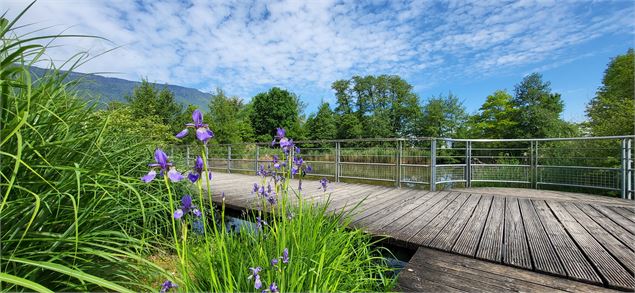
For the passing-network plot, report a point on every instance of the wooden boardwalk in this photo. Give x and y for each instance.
(435, 271)
(591, 241)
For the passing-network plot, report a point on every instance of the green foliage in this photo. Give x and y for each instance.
(385, 105)
(123, 122)
(228, 119)
(495, 117)
(348, 126)
(538, 108)
(273, 109)
(612, 110)
(149, 102)
(443, 116)
(322, 126)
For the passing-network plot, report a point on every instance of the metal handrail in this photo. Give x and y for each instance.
(439, 161)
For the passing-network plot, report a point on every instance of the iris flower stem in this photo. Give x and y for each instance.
(220, 238)
(213, 281)
(179, 253)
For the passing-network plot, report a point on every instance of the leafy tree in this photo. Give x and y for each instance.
(539, 110)
(443, 116)
(276, 108)
(322, 125)
(384, 105)
(495, 117)
(223, 117)
(612, 110)
(148, 102)
(348, 126)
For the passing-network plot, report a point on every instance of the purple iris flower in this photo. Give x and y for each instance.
(273, 288)
(167, 285)
(257, 282)
(186, 207)
(272, 199)
(256, 187)
(324, 183)
(309, 169)
(203, 133)
(198, 170)
(275, 162)
(280, 134)
(260, 222)
(285, 255)
(254, 272)
(274, 262)
(162, 162)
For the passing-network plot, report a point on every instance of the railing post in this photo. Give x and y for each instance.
(468, 164)
(257, 157)
(630, 170)
(337, 161)
(535, 165)
(398, 164)
(624, 170)
(229, 158)
(433, 164)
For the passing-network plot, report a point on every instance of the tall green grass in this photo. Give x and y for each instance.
(324, 256)
(73, 215)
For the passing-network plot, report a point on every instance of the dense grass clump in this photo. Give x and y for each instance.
(323, 256)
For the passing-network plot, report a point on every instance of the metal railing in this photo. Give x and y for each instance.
(583, 164)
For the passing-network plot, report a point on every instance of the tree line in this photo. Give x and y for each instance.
(386, 106)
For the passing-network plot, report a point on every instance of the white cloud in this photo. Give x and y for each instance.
(244, 46)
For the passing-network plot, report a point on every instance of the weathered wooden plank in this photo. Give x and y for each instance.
(424, 219)
(616, 230)
(399, 203)
(615, 217)
(467, 242)
(428, 232)
(615, 275)
(381, 203)
(543, 254)
(361, 201)
(430, 265)
(491, 244)
(573, 260)
(397, 220)
(621, 253)
(515, 248)
(625, 212)
(447, 236)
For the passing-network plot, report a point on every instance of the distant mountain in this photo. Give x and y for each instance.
(116, 89)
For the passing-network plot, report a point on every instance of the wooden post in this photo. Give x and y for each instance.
(433, 165)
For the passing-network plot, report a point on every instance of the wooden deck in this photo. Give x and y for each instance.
(435, 271)
(591, 241)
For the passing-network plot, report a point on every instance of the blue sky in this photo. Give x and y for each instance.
(470, 48)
